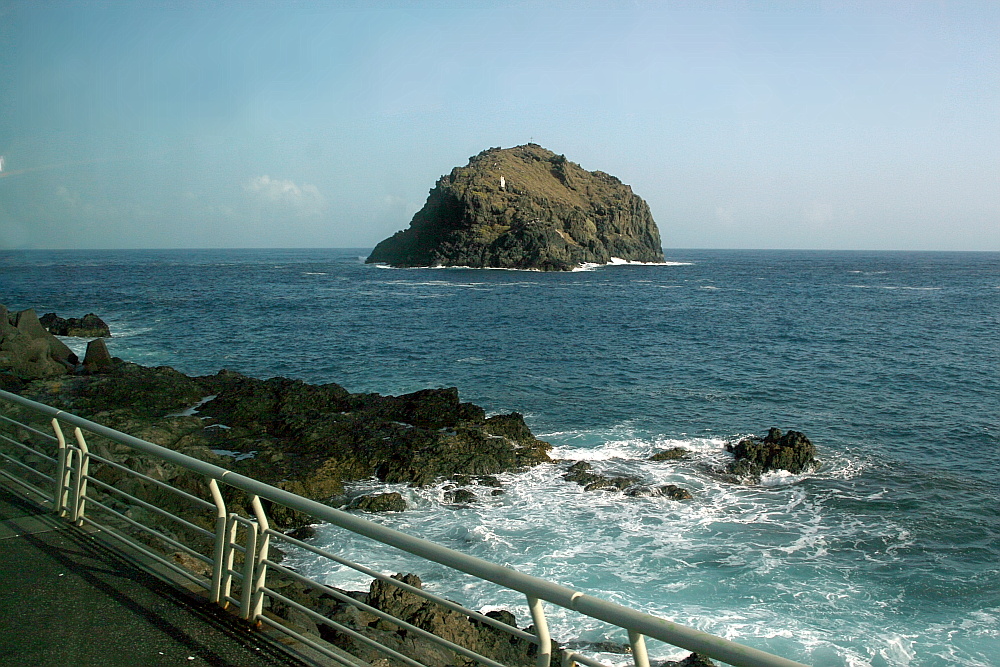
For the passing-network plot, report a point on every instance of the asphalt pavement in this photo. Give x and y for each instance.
(66, 598)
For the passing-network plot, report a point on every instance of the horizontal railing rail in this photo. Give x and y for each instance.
(76, 493)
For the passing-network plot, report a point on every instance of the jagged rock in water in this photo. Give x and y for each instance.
(659, 491)
(379, 502)
(754, 456)
(672, 454)
(581, 473)
(459, 496)
(525, 208)
(88, 326)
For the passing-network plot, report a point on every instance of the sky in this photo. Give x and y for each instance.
(807, 125)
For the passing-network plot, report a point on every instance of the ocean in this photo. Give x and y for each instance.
(888, 555)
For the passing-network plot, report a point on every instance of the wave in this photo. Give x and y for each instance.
(729, 561)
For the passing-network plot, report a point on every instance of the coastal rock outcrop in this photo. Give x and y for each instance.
(525, 208)
(428, 615)
(754, 456)
(672, 454)
(307, 439)
(88, 326)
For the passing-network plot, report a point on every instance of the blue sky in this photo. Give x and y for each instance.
(840, 125)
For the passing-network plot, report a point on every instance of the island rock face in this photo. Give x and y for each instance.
(525, 208)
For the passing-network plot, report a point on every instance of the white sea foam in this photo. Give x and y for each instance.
(617, 261)
(721, 563)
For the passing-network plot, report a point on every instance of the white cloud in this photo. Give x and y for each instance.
(304, 200)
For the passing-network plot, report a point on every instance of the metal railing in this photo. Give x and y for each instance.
(234, 549)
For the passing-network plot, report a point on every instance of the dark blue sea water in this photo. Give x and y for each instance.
(888, 555)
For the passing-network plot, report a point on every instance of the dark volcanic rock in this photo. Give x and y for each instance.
(427, 615)
(791, 451)
(88, 326)
(307, 439)
(660, 491)
(525, 208)
(459, 496)
(379, 502)
(582, 473)
(672, 454)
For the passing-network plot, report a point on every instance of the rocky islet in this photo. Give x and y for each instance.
(525, 208)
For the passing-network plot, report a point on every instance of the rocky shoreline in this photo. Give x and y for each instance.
(314, 440)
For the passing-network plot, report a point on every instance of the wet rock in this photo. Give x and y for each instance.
(379, 502)
(601, 647)
(754, 456)
(659, 491)
(302, 533)
(672, 454)
(459, 497)
(88, 326)
(582, 473)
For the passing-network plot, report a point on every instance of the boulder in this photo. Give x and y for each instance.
(459, 496)
(754, 456)
(582, 473)
(379, 502)
(672, 454)
(659, 491)
(525, 208)
(478, 636)
(88, 326)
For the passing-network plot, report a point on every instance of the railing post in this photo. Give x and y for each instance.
(80, 482)
(249, 561)
(260, 571)
(226, 586)
(61, 497)
(542, 631)
(219, 562)
(639, 655)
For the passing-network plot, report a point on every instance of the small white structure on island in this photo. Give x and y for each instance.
(503, 183)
